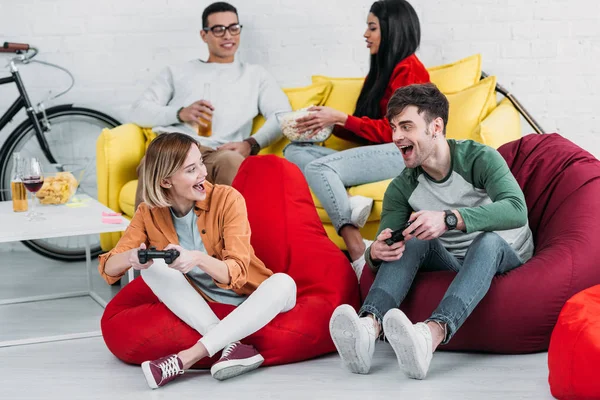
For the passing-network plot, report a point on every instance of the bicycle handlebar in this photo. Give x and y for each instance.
(8, 47)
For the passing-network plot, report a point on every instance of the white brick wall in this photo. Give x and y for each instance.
(545, 52)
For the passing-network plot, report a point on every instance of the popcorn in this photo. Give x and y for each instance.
(57, 189)
(287, 122)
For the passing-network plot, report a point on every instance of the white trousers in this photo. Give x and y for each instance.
(275, 295)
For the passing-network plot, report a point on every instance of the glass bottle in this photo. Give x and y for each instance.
(205, 130)
(17, 188)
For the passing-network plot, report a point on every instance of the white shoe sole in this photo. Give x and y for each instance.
(148, 375)
(344, 329)
(232, 368)
(361, 213)
(401, 334)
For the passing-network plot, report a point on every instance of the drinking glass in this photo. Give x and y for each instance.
(33, 179)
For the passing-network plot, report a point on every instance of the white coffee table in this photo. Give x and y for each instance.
(83, 216)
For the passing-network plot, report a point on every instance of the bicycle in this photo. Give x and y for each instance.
(58, 135)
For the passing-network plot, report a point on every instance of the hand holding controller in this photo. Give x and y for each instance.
(149, 254)
(397, 234)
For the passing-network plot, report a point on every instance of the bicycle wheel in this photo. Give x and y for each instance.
(72, 140)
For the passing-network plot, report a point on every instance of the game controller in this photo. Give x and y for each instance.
(397, 234)
(149, 254)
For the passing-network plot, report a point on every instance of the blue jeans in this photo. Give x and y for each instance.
(487, 256)
(330, 172)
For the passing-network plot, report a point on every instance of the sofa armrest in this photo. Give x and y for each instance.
(118, 153)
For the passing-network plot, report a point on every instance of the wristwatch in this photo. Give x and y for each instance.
(450, 220)
(254, 146)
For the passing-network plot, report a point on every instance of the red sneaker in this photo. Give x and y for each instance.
(237, 359)
(162, 371)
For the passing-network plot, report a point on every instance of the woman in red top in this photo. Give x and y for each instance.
(393, 35)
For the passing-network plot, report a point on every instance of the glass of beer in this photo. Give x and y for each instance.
(17, 188)
(205, 130)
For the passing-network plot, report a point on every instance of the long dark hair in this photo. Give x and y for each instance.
(400, 38)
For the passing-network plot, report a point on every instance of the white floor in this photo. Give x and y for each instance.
(84, 369)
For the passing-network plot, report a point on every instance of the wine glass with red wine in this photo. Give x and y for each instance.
(33, 179)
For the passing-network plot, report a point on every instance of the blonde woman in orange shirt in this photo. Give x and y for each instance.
(208, 226)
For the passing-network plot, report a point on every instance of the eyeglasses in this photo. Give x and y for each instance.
(219, 30)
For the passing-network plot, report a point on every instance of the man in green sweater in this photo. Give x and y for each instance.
(467, 214)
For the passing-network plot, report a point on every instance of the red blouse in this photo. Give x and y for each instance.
(407, 72)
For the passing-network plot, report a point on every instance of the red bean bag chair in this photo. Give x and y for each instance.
(288, 236)
(561, 183)
(574, 353)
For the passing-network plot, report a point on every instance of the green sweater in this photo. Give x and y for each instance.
(480, 186)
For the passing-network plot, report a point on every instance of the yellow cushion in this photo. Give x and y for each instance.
(300, 97)
(468, 108)
(343, 97)
(127, 198)
(344, 93)
(452, 78)
(369, 231)
(149, 135)
(373, 190)
(312, 95)
(491, 104)
(503, 125)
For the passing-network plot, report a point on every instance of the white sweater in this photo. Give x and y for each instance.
(239, 92)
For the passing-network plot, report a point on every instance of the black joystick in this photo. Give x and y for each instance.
(149, 254)
(397, 234)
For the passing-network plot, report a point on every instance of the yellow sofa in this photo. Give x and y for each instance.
(474, 114)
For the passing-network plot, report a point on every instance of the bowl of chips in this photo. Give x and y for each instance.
(288, 125)
(60, 184)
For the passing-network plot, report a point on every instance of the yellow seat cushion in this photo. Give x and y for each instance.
(343, 97)
(344, 92)
(468, 108)
(311, 95)
(503, 125)
(299, 97)
(127, 198)
(457, 76)
(374, 190)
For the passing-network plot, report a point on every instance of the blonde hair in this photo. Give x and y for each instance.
(165, 155)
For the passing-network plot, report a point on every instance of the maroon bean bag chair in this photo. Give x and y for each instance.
(561, 183)
(288, 236)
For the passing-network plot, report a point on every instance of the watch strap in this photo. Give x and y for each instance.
(254, 146)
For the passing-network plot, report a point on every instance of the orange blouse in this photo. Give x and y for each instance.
(223, 226)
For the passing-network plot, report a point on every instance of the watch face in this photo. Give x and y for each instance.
(452, 220)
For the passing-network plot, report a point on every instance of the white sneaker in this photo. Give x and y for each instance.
(358, 265)
(361, 209)
(411, 343)
(354, 338)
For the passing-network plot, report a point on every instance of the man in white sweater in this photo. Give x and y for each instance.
(177, 100)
